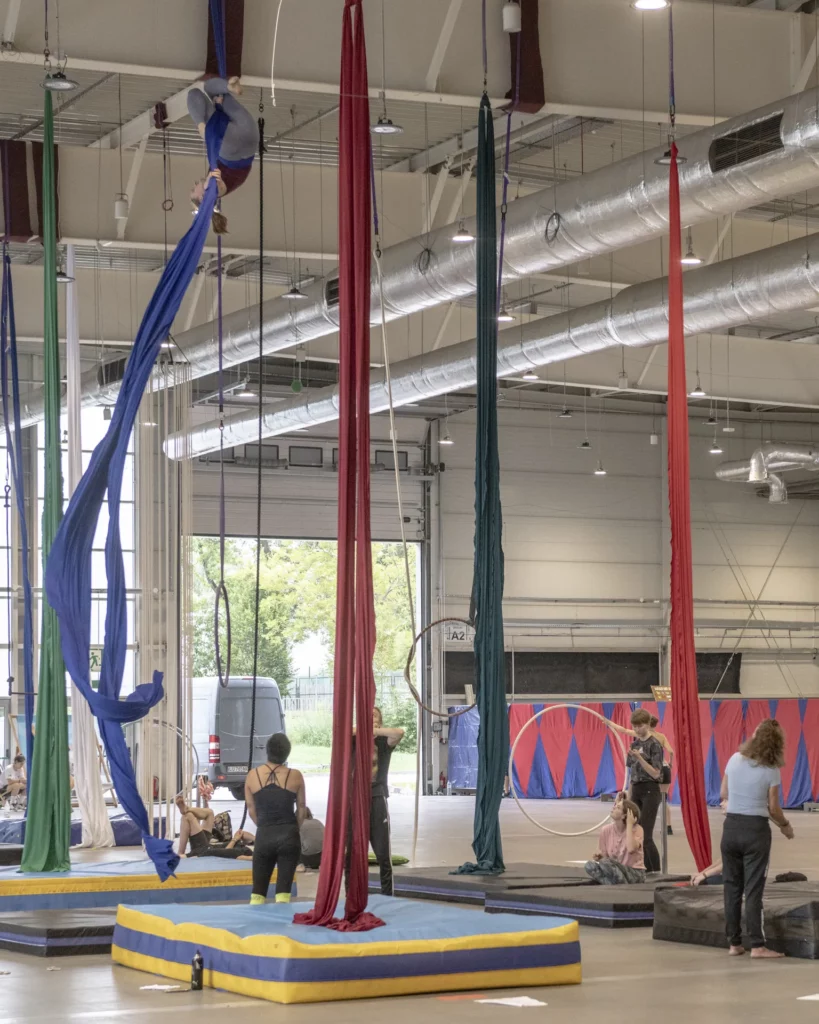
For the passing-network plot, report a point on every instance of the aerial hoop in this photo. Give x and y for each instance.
(411, 659)
(534, 718)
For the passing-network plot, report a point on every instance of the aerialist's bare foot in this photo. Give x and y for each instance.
(235, 86)
(736, 950)
(763, 953)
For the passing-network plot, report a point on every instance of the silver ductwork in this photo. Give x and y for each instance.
(728, 294)
(747, 160)
(766, 465)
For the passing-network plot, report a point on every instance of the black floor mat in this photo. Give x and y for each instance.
(58, 932)
(696, 916)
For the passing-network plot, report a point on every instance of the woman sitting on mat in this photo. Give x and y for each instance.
(619, 857)
(275, 801)
(196, 827)
(239, 146)
(751, 788)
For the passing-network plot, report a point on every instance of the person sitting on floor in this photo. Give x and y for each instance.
(619, 858)
(197, 828)
(311, 834)
(13, 784)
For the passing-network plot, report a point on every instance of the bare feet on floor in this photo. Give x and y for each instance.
(763, 953)
(736, 950)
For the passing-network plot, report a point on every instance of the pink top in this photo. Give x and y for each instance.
(613, 845)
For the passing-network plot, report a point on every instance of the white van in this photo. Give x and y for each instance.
(221, 727)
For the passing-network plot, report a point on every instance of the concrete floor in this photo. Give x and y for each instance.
(625, 972)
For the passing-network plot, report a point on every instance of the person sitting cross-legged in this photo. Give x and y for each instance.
(619, 858)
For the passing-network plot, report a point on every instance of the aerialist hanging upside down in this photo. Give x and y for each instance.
(239, 146)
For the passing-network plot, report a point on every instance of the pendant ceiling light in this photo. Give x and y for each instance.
(505, 317)
(295, 294)
(530, 375)
(599, 470)
(649, 5)
(585, 445)
(58, 81)
(715, 447)
(63, 278)
(462, 235)
(697, 391)
(385, 126)
(691, 259)
(446, 439)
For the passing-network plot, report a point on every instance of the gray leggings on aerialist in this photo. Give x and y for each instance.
(242, 134)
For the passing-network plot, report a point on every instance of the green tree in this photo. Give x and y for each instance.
(297, 598)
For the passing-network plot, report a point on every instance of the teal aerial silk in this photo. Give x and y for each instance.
(487, 585)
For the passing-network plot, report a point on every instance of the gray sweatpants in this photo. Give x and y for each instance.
(242, 134)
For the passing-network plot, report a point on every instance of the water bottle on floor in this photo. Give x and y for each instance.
(197, 972)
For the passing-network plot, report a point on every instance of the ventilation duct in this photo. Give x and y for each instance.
(728, 294)
(767, 464)
(595, 213)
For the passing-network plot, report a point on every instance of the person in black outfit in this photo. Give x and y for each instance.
(645, 759)
(385, 740)
(275, 801)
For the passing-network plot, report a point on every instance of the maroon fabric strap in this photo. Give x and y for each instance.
(684, 689)
(22, 164)
(353, 683)
(234, 39)
(532, 95)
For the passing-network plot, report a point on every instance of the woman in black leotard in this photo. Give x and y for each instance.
(275, 802)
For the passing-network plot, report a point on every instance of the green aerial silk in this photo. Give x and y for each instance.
(487, 585)
(48, 825)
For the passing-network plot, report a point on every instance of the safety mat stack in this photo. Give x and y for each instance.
(696, 916)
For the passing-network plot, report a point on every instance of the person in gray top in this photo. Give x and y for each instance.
(750, 795)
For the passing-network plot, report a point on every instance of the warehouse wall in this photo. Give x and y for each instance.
(587, 557)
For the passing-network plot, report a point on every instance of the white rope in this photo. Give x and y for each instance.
(405, 546)
(534, 718)
(273, 58)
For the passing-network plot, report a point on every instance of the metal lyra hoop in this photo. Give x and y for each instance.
(534, 718)
(411, 659)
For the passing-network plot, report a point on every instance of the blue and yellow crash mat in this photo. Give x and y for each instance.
(259, 952)
(110, 883)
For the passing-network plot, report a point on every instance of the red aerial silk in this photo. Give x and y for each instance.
(353, 683)
(684, 688)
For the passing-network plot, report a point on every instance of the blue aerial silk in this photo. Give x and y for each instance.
(14, 452)
(217, 17)
(68, 573)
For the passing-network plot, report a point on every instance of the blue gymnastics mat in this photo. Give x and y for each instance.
(260, 952)
(108, 884)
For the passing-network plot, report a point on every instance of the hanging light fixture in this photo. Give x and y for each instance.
(697, 391)
(599, 470)
(121, 206)
(246, 392)
(585, 445)
(665, 159)
(565, 413)
(58, 81)
(462, 235)
(446, 439)
(530, 375)
(385, 126)
(649, 5)
(504, 316)
(715, 448)
(295, 294)
(63, 278)
(691, 259)
(511, 17)
(712, 420)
